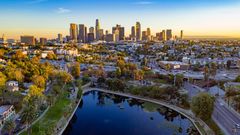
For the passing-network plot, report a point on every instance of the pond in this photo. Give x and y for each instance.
(107, 114)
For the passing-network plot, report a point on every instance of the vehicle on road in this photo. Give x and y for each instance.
(237, 126)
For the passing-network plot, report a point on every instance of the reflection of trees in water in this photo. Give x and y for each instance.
(80, 104)
(101, 99)
(192, 130)
(134, 102)
(118, 99)
(70, 125)
(168, 113)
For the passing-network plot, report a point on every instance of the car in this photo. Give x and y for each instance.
(221, 104)
(237, 126)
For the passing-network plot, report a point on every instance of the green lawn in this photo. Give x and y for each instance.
(53, 115)
(150, 107)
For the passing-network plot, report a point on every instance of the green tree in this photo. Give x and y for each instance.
(3, 80)
(9, 126)
(28, 114)
(202, 105)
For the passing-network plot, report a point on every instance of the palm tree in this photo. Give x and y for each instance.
(206, 75)
(9, 126)
(29, 114)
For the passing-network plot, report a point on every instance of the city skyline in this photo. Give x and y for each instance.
(46, 18)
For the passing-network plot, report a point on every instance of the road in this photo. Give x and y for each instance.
(226, 118)
(222, 115)
(193, 90)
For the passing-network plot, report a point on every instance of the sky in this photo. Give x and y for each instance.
(47, 18)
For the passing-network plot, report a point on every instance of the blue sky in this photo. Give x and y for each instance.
(46, 18)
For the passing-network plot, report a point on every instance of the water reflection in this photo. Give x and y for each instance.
(107, 114)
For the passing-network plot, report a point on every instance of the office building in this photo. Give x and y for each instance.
(91, 30)
(90, 37)
(116, 35)
(138, 31)
(169, 34)
(181, 34)
(133, 33)
(86, 34)
(73, 32)
(97, 30)
(121, 31)
(43, 41)
(82, 36)
(100, 34)
(28, 40)
(109, 37)
(144, 35)
(60, 38)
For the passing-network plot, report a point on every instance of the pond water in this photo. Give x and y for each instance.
(107, 114)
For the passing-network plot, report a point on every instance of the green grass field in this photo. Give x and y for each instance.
(53, 115)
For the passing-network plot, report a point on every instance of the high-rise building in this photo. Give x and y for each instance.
(73, 32)
(91, 30)
(181, 34)
(133, 33)
(116, 35)
(86, 34)
(97, 28)
(144, 35)
(149, 36)
(169, 34)
(121, 31)
(82, 36)
(100, 34)
(138, 31)
(109, 37)
(3, 40)
(60, 38)
(43, 41)
(90, 37)
(28, 40)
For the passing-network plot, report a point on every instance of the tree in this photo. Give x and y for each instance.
(75, 70)
(202, 105)
(230, 92)
(213, 70)
(28, 114)
(179, 80)
(64, 77)
(39, 81)
(168, 67)
(19, 76)
(3, 80)
(206, 74)
(229, 63)
(9, 126)
(19, 56)
(118, 72)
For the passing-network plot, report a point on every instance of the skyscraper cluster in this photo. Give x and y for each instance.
(80, 33)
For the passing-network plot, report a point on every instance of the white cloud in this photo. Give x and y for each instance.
(143, 3)
(36, 1)
(63, 10)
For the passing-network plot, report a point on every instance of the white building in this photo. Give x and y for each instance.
(12, 86)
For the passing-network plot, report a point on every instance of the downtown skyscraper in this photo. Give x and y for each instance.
(73, 32)
(97, 30)
(138, 31)
(82, 33)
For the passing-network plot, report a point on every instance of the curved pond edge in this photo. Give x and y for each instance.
(175, 108)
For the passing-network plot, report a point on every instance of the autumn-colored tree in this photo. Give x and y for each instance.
(39, 81)
(19, 55)
(75, 70)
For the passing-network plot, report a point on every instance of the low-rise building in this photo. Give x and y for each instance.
(7, 112)
(12, 86)
(173, 65)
